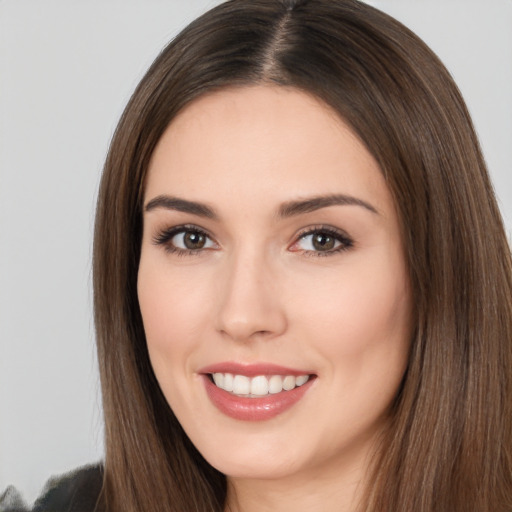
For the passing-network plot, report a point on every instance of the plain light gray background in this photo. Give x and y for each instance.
(67, 68)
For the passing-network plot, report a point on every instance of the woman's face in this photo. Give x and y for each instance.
(272, 263)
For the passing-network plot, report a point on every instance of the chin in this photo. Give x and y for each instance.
(254, 468)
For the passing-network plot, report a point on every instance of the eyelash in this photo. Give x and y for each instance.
(165, 236)
(345, 242)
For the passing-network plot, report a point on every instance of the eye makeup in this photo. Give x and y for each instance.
(184, 240)
(321, 240)
(314, 241)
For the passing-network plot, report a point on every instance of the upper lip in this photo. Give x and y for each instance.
(252, 369)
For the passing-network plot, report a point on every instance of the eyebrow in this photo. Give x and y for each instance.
(288, 209)
(291, 208)
(181, 205)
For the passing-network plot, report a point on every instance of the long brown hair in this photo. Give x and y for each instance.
(449, 442)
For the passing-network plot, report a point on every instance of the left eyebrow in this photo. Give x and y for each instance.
(291, 208)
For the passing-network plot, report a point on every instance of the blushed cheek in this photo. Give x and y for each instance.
(156, 305)
(160, 328)
(173, 311)
(361, 314)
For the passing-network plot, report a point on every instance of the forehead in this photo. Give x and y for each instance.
(266, 140)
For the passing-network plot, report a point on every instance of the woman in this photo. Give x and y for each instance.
(302, 282)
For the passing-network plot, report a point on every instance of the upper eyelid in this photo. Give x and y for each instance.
(342, 236)
(301, 232)
(183, 228)
(166, 234)
(170, 232)
(323, 228)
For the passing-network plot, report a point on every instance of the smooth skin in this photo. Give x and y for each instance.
(249, 279)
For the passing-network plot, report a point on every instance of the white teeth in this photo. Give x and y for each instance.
(275, 384)
(218, 378)
(241, 385)
(257, 386)
(228, 382)
(288, 382)
(302, 379)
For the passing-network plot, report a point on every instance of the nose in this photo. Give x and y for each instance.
(250, 303)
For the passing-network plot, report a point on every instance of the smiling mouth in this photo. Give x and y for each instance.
(258, 386)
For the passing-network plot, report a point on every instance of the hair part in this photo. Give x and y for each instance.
(448, 445)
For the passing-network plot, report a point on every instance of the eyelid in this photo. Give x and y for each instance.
(346, 241)
(164, 236)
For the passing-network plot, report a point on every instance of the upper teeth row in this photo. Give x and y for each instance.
(257, 386)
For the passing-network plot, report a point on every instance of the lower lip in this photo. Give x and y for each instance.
(254, 409)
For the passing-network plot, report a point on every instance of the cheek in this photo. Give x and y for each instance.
(173, 319)
(362, 328)
(362, 312)
(172, 312)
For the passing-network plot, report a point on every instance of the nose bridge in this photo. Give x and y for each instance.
(249, 304)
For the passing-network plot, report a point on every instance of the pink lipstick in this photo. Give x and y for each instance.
(254, 392)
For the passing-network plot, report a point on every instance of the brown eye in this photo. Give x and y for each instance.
(194, 240)
(185, 240)
(323, 242)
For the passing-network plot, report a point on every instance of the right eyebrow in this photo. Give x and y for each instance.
(181, 205)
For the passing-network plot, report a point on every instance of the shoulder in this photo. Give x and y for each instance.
(77, 491)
